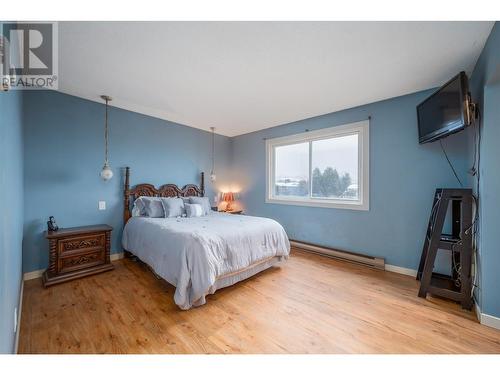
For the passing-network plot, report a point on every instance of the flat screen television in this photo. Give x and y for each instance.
(445, 112)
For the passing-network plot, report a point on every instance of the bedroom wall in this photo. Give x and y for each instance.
(403, 178)
(64, 152)
(485, 86)
(11, 220)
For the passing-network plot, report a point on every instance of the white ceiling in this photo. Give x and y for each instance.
(245, 76)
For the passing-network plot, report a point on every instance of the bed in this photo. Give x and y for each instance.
(199, 255)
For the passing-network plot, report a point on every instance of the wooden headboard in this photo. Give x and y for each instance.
(148, 190)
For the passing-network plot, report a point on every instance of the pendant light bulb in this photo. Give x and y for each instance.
(106, 172)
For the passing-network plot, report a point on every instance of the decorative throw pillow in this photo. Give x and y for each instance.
(203, 201)
(153, 207)
(185, 200)
(136, 211)
(139, 207)
(193, 210)
(173, 207)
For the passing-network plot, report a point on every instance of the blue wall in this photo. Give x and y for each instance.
(485, 86)
(403, 178)
(11, 207)
(64, 152)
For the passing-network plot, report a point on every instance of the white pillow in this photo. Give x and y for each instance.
(136, 210)
(193, 210)
(139, 206)
(203, 201)
(173, 207)
(185, 200)
(153, 207)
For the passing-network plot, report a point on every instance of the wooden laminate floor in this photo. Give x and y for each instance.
(312, 304)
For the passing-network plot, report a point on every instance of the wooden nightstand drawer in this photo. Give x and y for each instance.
(77, 262)
(76, 245)
(77, 252)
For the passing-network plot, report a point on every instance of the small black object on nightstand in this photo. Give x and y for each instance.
(51, 224)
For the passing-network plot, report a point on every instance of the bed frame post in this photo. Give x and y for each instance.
(126, 208)
(202, 185)
(126, 197)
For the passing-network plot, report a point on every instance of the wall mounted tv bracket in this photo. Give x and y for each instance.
(471, 109)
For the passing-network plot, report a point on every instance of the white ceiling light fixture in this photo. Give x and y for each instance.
(106, 173)
(213, 176)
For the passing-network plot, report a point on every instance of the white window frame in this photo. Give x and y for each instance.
(361, 128)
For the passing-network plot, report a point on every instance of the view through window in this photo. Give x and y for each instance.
(324, 166)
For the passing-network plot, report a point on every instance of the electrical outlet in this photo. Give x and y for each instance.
(102, 205)
(15, 319)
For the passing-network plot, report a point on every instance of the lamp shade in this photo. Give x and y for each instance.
(228, 197)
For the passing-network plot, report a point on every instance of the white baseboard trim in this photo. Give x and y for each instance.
(38, 273)
(116, 256)
(490, 321)
(33, 275)
(486, 319)
(19, 312)
(401, 270)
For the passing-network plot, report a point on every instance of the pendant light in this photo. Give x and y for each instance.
(213, 177)
(106, 173)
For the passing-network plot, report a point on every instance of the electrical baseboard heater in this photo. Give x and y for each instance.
(374, 262)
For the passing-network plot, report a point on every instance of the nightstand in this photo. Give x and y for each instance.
(77, 252)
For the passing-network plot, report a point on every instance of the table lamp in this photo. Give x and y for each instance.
(229, 198)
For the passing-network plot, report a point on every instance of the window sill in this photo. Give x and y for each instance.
(347, 205)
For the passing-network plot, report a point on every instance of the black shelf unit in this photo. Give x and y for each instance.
(459, 242)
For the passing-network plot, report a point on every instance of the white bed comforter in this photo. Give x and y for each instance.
(191, 253)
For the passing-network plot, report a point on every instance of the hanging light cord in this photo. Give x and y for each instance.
(213, 149)
(106, 134)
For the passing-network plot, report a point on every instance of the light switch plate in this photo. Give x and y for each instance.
(102, 205)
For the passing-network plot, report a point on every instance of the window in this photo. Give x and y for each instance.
(322, 168)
